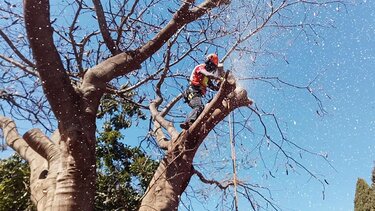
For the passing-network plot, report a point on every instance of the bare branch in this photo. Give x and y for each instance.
(140, 83)
(213, 182)
(127, 62)
(285, 153)
(255, 31)
(15, 50)
(161, 140)
(161, 121)
(307, 87)
(72, 28)
(123, 21)
(170, 105)
(29, 70)
(104, 28)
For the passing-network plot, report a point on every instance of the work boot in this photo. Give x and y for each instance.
(185, 125)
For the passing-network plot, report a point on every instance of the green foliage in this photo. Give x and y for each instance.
(14, 184)
(364, 197)
(119, 110)
(123, 173)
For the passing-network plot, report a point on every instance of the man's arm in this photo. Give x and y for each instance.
(209, 75)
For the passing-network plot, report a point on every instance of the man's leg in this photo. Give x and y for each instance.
(196, 104)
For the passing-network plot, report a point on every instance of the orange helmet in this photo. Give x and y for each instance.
(213, 59)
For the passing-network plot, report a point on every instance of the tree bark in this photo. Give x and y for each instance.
(176, 169)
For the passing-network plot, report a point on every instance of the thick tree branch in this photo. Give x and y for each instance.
(14, 140)
(109, 42)
(56, 83)
(228, 98)
(36, 162)
(180, 18)
(161, 140)
(42, 144)
(161, 121)
(95, 79)
(126, 62)
(46, 148)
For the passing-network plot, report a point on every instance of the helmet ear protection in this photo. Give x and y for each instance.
(211, 62)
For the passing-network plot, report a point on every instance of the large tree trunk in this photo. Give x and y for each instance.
(176, 169)
(75, 181)
(170, 180)
(61, 179)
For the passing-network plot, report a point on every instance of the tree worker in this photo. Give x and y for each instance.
(200, 79)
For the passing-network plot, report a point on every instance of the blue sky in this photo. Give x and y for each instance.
(346, 133)
(345, 60)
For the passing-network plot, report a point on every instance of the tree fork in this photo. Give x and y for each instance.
(176, 169)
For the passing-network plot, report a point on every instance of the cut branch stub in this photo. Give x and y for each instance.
(41, 144)
(38, 165)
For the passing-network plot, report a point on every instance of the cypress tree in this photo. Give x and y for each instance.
(365, 195)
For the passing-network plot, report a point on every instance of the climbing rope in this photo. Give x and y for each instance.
(233, 154)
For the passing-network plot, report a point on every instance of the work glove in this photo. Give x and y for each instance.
(220, 68)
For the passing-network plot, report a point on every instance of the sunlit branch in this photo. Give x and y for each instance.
(14, 140)
(170, 105)
(41, 144)
(51, 69)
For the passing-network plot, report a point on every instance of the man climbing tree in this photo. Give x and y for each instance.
(200, 79)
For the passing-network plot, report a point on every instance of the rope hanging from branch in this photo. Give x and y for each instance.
(233, 154)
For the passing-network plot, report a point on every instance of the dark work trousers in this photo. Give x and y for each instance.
(195, 102)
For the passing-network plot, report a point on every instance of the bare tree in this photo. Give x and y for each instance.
(81, 50)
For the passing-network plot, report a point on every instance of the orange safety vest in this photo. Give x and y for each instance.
(198, 79)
